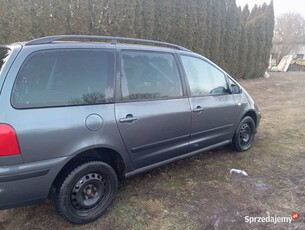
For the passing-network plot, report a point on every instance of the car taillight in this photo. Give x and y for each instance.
(8, 141)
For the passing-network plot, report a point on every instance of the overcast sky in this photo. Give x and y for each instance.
(280, 6)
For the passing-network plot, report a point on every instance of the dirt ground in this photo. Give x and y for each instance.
(200, 192)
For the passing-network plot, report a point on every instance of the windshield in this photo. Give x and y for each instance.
(4, 54)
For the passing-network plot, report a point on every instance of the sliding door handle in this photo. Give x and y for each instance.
(128, 119)
(198, 109)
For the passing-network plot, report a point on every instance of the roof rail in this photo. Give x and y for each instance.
(114, 40)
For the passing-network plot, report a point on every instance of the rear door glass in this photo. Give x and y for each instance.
(65, 77)
(149, 75)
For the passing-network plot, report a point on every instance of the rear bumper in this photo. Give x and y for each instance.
(28, 183)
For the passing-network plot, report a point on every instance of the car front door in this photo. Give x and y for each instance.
(153, 114)
(214, 111)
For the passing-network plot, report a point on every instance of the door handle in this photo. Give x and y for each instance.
(128, 119)
(198, 109)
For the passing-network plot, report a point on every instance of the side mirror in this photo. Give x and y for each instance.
(235, 89)
(219, 90)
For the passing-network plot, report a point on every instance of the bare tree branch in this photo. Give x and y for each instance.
(289, 33)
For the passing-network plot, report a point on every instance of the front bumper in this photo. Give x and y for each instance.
(258, 118)
(28, 183)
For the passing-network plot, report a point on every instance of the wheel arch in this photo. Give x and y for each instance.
(235, 143)
(107, 155)
(252, 114)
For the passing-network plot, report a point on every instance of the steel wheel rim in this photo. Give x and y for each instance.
(245, 135)
(88, 193)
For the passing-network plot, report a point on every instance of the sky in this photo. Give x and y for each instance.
(280, 6)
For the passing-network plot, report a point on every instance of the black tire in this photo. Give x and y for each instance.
(84, 194)
(244, 135)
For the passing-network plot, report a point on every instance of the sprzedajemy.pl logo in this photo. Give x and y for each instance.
(272, 219)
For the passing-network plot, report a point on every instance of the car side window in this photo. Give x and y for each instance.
(204, 79)
(149, 75)
(64, 77)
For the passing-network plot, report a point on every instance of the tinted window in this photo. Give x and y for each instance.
(149, 75)
(64, 77)
(204, 79)
(4, 53)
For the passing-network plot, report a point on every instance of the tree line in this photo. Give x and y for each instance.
(238, 40)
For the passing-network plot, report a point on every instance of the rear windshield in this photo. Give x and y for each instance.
(4, 53)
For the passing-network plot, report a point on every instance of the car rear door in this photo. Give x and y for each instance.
(214, 111)
(62, 101)
(153, 113)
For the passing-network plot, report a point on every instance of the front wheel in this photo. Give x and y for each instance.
(86, 192)
(244, 135)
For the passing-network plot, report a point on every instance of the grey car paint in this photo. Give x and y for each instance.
(160, 132)
(165, 130)
(214, 118)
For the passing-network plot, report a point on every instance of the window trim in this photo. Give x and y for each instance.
(119, 96)
(9, 53)
(209, 62)
(110, 50)
(228, 79)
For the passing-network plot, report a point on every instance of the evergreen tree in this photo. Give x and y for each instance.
(4, 22)
(252, 44)
(243, 45)
(269, 21)
(260, 32)
(190, 23)
(139, 19)
(148, 17)
(126, 18)
(209, 29)
(200, 33)
(178, 33)
(238, 41)
(231, 37)
(242, 52)
(105, 17)
(215, 30)
(163, 20)
(223, 46)
(19, 19)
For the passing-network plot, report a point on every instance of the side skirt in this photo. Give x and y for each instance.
(156, 165)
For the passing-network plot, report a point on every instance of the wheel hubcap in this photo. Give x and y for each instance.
(88, 191)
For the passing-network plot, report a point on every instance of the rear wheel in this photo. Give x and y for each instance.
(244, 135)
(86, 192)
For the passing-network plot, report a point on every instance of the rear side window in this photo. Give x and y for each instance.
(4, 54)
(149, 75)
(65, 77)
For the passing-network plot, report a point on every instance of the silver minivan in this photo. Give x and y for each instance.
(79, 113)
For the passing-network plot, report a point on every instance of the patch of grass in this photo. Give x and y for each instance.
(140, 213)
